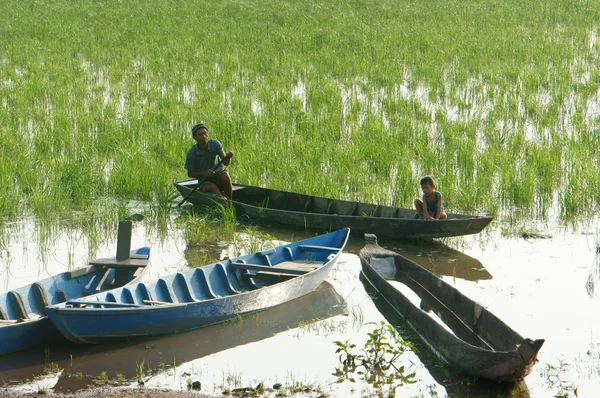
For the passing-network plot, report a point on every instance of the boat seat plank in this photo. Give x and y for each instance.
(114, 263)
(314, 248)
(104, 303)
(76, 273)
(266, 268)
(269, 275)
(299, 265)
(8, 322)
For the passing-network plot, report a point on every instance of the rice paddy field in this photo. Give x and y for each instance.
(498, 101)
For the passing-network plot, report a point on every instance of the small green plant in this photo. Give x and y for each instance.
(120, 379)
(102, 379)
(51, 368)
(140, 371)
(42, 390)
(554, 379)
(376, 362)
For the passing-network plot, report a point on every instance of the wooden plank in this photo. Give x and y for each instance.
(112, 262)
(314, 248)
(157, 302)
(266, 268)
(81, 271)
(299, 265)
(8, 322)
(104, 303)
(269, 275)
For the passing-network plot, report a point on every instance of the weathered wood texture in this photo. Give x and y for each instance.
(481, 344)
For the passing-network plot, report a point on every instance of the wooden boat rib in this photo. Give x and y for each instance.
(479, 344)
(306, 211)
(203, 296)
(23, 320)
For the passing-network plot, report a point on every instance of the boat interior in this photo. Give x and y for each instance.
(28, 303)
(289, 201)
(217, 280)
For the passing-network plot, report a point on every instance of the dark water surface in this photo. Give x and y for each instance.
(541, 287)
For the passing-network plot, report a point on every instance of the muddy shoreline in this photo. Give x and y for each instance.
(113, 392)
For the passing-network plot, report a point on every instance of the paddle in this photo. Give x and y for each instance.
(200, 181)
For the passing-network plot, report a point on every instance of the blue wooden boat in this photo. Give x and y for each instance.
(202, 296)
(23, 320)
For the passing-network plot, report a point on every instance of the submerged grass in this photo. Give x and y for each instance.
(353, 100)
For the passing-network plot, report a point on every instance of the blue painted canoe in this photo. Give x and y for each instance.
(202, 296)
(23, 320)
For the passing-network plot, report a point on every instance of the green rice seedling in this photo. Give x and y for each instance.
(554, 377)
(412, 89)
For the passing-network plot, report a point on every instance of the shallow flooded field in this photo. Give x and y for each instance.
(542, 285)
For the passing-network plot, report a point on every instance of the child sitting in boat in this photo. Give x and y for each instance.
(429, 206)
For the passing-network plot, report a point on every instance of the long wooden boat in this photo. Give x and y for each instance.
(473, 339)
(203, 296)
(306, 211)
(23, 317)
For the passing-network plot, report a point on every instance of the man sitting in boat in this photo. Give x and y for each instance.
(201, 160)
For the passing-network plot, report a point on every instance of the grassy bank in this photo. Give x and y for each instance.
(357, 100)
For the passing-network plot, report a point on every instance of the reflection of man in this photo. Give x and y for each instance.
(202, 158)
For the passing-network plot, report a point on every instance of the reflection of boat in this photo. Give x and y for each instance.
(281, 207)
(23, 320)
(441, 259)
(202, 296)
(124, 357)
(483, 345)
(431, 254)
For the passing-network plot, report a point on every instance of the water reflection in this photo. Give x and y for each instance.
(433, 255)
(82, 364)
(440, 259)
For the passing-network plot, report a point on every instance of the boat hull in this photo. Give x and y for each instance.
(132, 311)
(480, 344)
(305, 211)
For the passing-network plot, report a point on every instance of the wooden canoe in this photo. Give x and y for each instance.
(203, 296)
(306, 211)
(23, 320)
(479, 343)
